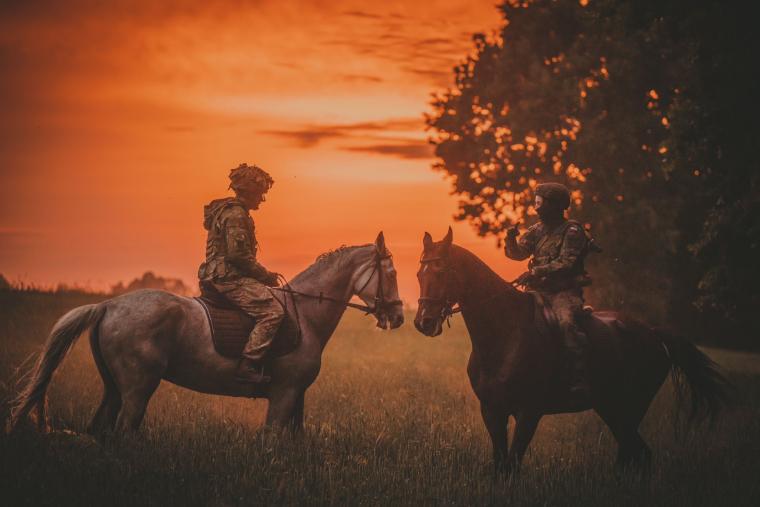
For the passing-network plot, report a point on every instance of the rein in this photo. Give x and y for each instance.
(379, 304)
(450, 308)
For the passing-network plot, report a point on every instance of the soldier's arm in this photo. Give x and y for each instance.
(573, 244)
(239, 245)
(521, 247)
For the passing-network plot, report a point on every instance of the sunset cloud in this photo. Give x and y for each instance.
(402, 149)
(376, 137)
(121, 119)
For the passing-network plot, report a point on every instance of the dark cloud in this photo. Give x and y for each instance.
(366, 78)
(439, 77)
(362, 14)
(406, 124)
(406, 43)
(405, 150)
(307, 137)
(435, 41)
(311, 135)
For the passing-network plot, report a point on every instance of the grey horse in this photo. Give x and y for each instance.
(142, 337)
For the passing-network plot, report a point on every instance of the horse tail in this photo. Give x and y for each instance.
(691, 370)
(63, 336)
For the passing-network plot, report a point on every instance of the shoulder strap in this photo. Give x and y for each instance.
(224, 207)
(576, 223)
(591, 245)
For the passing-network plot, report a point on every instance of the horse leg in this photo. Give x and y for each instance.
(633, 452)
(39, 416)
(134, 402)
(525, 427)
(496, 420)
(104, 419)
(296, 421)
(624, 418)
(282, 407)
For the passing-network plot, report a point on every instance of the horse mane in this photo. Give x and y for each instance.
(337, 255)
(482, 270)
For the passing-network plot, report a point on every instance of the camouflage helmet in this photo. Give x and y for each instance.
(246, 178)
(556, 194)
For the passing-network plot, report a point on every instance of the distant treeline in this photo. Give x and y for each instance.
(647, 110)
(148, 280)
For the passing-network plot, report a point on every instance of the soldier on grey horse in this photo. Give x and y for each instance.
(231, 268)
(143, 337)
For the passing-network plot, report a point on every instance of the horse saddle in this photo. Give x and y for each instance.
(546, 320)
(231, 327)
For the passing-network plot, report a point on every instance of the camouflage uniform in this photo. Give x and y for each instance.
(558, 273)
(232, 268)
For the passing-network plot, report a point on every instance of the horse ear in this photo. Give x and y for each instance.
(449, 238)
(380, 242)
(427, 241)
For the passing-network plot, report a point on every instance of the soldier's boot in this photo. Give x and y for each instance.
(251, 367)
(250, 371)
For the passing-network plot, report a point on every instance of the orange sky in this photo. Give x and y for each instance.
(119, 123)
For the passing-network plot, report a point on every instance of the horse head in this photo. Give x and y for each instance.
(377, 286)
(435, 278)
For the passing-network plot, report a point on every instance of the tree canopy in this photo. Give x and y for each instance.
(645, 109)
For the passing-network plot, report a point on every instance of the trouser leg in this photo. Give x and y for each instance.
(268, 318)
(566, 306)
(254, 298)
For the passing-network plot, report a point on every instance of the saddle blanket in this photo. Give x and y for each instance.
(231, 327)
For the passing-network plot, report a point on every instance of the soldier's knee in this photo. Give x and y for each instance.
(277, 311)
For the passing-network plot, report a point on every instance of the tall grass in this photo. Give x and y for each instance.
(390, 421)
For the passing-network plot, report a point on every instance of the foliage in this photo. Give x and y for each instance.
(392, 420)
(149, 280)
(637, 107)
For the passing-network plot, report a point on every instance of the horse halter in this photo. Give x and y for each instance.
(380, 304)
(447, 308)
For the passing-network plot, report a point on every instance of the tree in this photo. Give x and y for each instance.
(150, 280)
(616, 99)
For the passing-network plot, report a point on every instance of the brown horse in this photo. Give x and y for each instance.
(516, 368)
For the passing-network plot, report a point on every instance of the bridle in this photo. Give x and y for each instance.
(448, 307)
(380, 304)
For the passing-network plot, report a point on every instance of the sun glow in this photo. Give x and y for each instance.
(119, 125)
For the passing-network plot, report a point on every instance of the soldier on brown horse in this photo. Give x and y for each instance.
(517, 364)
(557, 248)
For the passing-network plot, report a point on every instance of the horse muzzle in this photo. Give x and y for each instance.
(429, 326)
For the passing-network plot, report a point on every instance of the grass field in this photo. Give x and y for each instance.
(390, 421)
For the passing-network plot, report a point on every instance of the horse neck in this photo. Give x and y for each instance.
(487, 302)
(333, 277)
